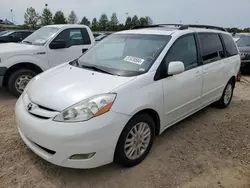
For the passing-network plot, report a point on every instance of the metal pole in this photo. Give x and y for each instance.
(11, 11)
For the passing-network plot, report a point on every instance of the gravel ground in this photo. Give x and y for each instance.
(209, 149)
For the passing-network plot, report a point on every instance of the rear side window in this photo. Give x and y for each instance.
(211, 47)
(231, 48)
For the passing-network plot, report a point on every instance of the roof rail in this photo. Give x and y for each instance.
(180, 26)
(156, 25)
(202, 26)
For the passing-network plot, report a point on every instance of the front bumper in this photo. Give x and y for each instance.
(98, 135)
(2, 72)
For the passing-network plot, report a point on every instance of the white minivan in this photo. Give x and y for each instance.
(109, 104)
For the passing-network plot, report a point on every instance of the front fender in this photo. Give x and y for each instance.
(13, 60)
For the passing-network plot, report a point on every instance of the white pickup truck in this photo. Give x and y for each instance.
(47, 47)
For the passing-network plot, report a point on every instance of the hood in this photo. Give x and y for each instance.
(63, 86)
(17, 48)
(244, 49)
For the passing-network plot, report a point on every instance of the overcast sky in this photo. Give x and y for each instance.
(227, 13)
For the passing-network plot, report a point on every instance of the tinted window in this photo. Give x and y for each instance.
(86, 36)
(72, 37)
(184, 49)
(16, 34)
(25, 34)
(211, 47)
(231, 48)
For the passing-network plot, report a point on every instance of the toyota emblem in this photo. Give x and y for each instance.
(29, 107)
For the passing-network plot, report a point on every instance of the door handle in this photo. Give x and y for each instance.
(198, 73)
(84, 50)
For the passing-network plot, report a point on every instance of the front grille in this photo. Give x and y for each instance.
(46, 149)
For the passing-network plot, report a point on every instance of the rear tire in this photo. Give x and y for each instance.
(18, 81)
(227, 95)
(135, 141)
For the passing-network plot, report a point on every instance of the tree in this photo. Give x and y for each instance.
(128, 23)
(31, 18)
(113, 24)
(85, 21)
(72, 19)
(103, 22)
(143, 21)
(135, 21)
(59, 18)
(94, 25)
(121, 27)
(149, 20)
(47, 17)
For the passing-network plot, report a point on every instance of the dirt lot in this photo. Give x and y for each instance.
(209, 149)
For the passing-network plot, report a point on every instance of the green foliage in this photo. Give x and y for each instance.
(103, 22)
(31, 18)
(59, 18)
(113, 24)
(85, 21)
(135, 21)
(72, 19)
(47, 17)
(94, 24)
(128, 23)
(149, 20)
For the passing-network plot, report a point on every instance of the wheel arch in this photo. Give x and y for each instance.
(155, 116)
(26, 65)
(233, 79)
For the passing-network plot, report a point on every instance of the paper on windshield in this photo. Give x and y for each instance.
(135, 60)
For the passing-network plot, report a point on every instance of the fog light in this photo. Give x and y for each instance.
(82, 156)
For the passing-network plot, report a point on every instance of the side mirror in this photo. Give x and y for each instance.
(175, 67)
(58, 44)
(11, 36)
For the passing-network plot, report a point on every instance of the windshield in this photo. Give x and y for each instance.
(244, 41)
(5, 33)
(125, 55)
(41, 36)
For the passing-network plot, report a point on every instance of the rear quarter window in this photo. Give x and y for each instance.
(230, 45)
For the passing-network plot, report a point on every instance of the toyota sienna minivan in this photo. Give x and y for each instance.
(109, 104)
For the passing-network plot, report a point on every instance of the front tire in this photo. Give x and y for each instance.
(18, 81)
(135, 141)
(227, 96)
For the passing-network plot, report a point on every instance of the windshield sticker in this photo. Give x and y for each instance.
(135, 60)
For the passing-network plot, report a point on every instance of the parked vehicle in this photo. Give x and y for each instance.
(109, 104)
(14, 36)
(47, 47)
(244, 47)
(2, 32)
(100, 37)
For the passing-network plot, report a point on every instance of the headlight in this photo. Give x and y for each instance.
(87, 109)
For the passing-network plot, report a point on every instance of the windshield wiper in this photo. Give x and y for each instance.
(96, 69)
(28, 42)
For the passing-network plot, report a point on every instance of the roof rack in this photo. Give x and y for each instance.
(202, 26)
(181, 26)
(155, 25)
